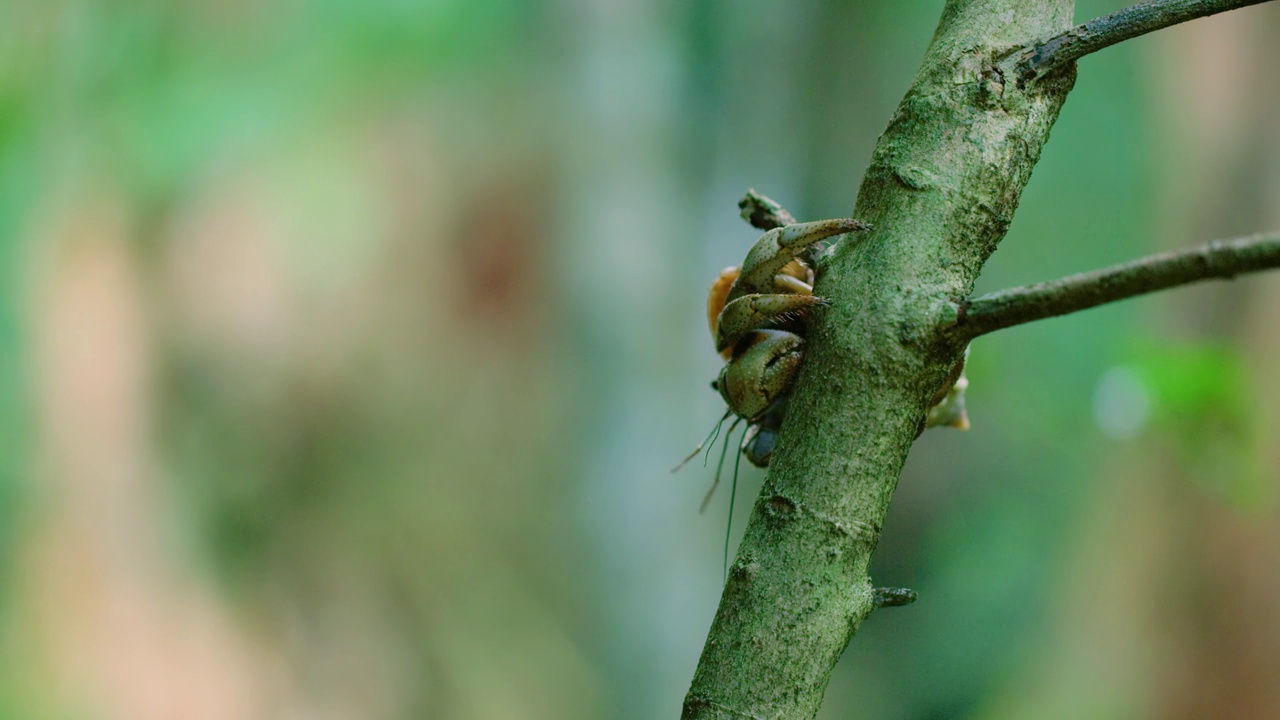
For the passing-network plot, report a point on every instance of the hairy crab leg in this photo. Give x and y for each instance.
(749, 313)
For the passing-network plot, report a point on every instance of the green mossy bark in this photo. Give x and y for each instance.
(940, 191)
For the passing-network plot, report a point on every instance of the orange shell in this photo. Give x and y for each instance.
(716, 299)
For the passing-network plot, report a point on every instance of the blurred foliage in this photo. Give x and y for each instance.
(1204, 406)
(346, 347)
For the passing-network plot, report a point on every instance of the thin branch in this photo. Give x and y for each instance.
(1065, 48)
(1220, 259)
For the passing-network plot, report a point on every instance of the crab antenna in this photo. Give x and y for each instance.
(733, 494)
(719, 466)
(710, 438)
(715, 434)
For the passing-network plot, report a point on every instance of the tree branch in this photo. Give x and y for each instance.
(940, 192)
(939, 200)
(1220, 259)
(1065, 48)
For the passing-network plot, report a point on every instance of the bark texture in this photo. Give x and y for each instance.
(940, 191)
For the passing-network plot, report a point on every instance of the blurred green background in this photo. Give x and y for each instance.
(345, 348)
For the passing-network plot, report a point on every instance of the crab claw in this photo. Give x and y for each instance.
(779, 246)
(753, 312)
(760, 374)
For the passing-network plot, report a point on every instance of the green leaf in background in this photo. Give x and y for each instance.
(1204, 414)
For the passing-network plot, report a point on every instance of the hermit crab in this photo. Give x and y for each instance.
(758, 314)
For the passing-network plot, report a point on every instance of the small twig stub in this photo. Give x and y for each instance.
(892, 597)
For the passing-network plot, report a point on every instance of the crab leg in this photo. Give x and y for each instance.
(784, 282)
(779, 246)
(753, 312)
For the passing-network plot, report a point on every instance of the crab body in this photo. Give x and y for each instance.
(757, 314)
